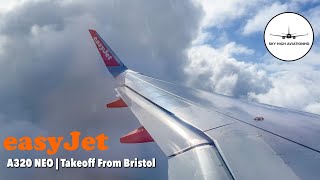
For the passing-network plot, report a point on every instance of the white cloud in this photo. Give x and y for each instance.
(260, 20)
(216, 13)
(295, 84)
(201, 38)
(313, 16)
(313, 108)
(232, 48)
(6, 6)
(219, 14)
(3, 40)
(216, 70)
(292, 90)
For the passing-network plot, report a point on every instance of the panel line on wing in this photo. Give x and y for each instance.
(218, 127)
(190, 148)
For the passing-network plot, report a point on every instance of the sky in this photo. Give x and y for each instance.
(53, 80)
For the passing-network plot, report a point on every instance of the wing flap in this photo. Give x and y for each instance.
(139, 135)
(247, 154)
(199, 163)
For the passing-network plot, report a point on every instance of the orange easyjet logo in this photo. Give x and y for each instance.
(52, 144)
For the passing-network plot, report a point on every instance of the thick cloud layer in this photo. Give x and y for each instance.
(53, 80)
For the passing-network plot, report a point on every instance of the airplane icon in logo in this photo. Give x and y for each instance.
(288, 35)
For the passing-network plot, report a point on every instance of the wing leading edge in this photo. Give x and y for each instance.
(211, 136)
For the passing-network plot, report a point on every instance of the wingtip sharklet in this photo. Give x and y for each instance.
(111, 60)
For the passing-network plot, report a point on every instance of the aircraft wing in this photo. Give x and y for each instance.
(212, 136)
(277, 35)
(301, 35)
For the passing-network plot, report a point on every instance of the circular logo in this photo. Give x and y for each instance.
(288, 36)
